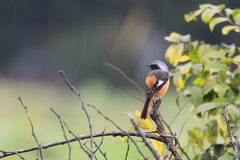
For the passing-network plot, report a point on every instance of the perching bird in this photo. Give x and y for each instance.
(157, 83)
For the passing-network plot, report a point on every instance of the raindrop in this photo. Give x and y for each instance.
(76, 75)
(85, 34)
(164, 16)
(14, 14)
(50, 20)
(26, 8)
(84, 40)
(155, 32)
(101, 41)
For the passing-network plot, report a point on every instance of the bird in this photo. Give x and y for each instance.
(157, 83)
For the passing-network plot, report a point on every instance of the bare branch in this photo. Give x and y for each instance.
(128, 148)
(124, 75)
(33, 133)
(154, 152)
(64, 133)
(84, 109)
(127, 93)
(4, 152)
(155, 115)
(82, 137)
(117, 127)
(235, 144)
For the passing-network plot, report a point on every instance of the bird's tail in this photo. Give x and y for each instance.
(146, 108)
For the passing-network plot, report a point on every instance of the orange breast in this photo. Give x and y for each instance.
(163, 90)
(150, 81)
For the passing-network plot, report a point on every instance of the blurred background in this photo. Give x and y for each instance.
(40, 38)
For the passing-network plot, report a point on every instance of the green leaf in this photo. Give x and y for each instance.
(192, 15)
(197, 95)
(218, 149)
(221, 88)
(237, 99)
(228, 12)
(207, 87)
(193, 52)
(226, 156)
(236, 16)
(174, 37)
(199, 81)
(208, 14)
(215, 65)
(227, 29)
(233, 112)
(197, 137)
(209, 97)
(237, 58)
(216, 21)
(211, 132)
(206, 155)
(206, 106)
(174, 52)
(214, 54)
(222, 100)
(197, 68)
(230, 95)
(184, 69)
(221, 77)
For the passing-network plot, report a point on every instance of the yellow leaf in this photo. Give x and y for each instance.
(174, 37)
(184, 58)
(227, 29)
(157, 145)
(143, 123)
(174, 52)
(222, 123)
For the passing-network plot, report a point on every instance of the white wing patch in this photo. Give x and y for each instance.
(159, 83)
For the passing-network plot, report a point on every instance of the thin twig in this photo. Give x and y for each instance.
(100, 112)
(82, 137)
(178, 113)
(182, 128)
(79, 95)
(124, 75)
(232, 144)
(128, 148)
(89, 155)
(64, 133)
(101, 141)
(127, 93)
(171, 132)
(98, 148)
(154, 152)
(84, 109)
(33, 133)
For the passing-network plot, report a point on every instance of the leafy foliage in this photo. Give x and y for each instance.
(209, 75)
(208, 11)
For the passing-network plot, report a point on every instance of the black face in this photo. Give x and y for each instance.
(154, 67)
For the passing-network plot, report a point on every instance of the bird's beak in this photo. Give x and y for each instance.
(149, 65)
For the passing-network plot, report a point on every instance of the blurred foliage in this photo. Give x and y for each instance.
(209, 75)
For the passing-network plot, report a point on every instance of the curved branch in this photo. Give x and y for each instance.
(82, 137)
